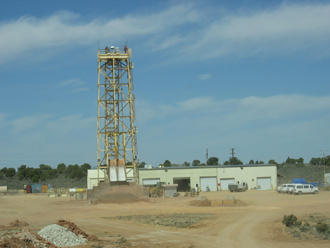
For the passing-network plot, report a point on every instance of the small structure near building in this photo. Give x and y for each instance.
(170, 190)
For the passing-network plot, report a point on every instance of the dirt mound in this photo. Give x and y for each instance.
(119, 200)
(199, 203)
(17, 223)
(76, 230)
(240, 203)
(25, 239)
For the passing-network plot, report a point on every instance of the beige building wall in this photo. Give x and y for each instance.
(247, 173)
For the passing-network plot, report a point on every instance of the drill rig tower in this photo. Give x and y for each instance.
(116, 133)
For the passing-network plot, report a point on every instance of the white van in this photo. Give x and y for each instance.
(290, 187)
(305, 189)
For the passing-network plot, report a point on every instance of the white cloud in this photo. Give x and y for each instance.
(71, 82)
(203, 77)
(67, 124)
(239, 112)
(28, 122)
(74, 84)
(288, 28)
(64, 29)
(258, 127)
(285, 28)
(2, 120)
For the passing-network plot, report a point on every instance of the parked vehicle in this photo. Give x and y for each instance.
(282, 189)
(305, 189)
(289, 188)
(237, 186)
(278, 188)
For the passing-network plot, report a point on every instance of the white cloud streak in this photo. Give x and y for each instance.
(249, 109)
(286, 28)
(204, 77)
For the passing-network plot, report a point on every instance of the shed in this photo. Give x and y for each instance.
(170, 190)
(36, 188)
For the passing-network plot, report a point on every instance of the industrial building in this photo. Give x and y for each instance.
(214, 178)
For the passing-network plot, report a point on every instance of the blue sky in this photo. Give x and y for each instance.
(249, 75)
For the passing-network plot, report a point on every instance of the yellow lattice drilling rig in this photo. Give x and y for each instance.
(116, 132)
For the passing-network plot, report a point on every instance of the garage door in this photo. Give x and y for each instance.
(264, 183)
(152, 181)
(224, 183)
(210, 182)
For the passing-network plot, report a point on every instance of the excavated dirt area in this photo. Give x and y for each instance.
(255, 222)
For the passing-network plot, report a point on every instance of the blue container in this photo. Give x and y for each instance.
(299, 180)
(36, 188)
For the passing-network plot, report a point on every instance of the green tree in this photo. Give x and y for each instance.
(61, 168)
(141, 165)
(213, 161)
(3, 170)
(300, 160)
(10, 172)
(251, 161)
(272, 161)
(226, 163)
(85, 167)
(261, 162)
(186, 163)
(35, 178)
(45, 167)
(45, 175)
(21, 168)
(167, 163)
(234, 161)
(291, 161)
(196, 162)
(71, 169)
(316, 161)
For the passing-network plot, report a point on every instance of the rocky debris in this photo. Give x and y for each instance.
(60, 236)
(24, 239)
(76, 230)
(18, 223)
(53, 236)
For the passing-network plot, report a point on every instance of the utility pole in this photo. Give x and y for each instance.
(232, 156)
(324, 167)
(207, 156)
(232, 152)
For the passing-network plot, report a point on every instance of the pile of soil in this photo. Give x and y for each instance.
(118, 198)
(240, 203)
(76, 230)
(17, 223)
(27, 239)
(199, 203)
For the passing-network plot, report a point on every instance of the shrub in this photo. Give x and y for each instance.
(290, 220)
(322, 227)
(305, 227)
(10, 172)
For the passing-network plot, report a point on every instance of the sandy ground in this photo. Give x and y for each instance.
(256, 225)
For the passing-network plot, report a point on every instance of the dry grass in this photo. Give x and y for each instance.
(172, 220)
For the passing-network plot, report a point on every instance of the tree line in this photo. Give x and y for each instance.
(46, 172)
(235, 161)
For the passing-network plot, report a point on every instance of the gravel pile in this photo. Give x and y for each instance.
(60, 236)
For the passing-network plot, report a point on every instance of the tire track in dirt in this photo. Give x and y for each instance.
(240, 232)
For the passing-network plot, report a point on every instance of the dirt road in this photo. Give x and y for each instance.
(258, 224)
